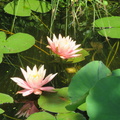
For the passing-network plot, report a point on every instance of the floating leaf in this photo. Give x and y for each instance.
(110, 26)
(70, 116)
(4, 98)
(24, 7)
(18, 8)
(111, 32)
(39, 6)
(18, 43)
(84, 80)
(113, 21)
(41, 115)
(55, 102)
(103, 101)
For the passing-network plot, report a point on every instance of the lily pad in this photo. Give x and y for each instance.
(109, 26)
(103, 101)
(84, 80)
(4, 98)
(18, 42)
(23, 7)
(55, 102)
(43, 115)
(18, 8)
(70, 116)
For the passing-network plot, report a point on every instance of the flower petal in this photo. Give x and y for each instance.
(48, 89)
(25, 92)
(48, 79)
(21, 82)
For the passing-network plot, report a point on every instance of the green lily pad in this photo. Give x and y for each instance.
(23, 7)
(111, 32)
(70, 116)
(4, 98)
(103, 101)
(55, 102)
(113, 21)
(109, 26)
(41, 115)
(84, 80)
(18, 8)
(18, 42)
(39, 6)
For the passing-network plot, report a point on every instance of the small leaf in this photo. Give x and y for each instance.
(41, 115)
(116, 72)
(1, 111)
(4, 98)
(83, 53)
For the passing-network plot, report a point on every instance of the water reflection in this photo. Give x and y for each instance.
(27, 109)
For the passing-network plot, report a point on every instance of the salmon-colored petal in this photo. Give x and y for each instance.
(21, 82)
(25, 92)
(48, 89)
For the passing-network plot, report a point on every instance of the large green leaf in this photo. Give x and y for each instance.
(55, 102)
(4, 98)
(41, 115)
(84, 80)
(70, 116)
(24, 7)
(110, 26)
(103, 101)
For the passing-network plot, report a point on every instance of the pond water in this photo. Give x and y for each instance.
(97, 46)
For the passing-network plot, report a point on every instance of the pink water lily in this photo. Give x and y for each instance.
(34, 81)
(64, 46)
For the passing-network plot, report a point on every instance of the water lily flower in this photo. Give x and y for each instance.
(64, 46)
(34, 81)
